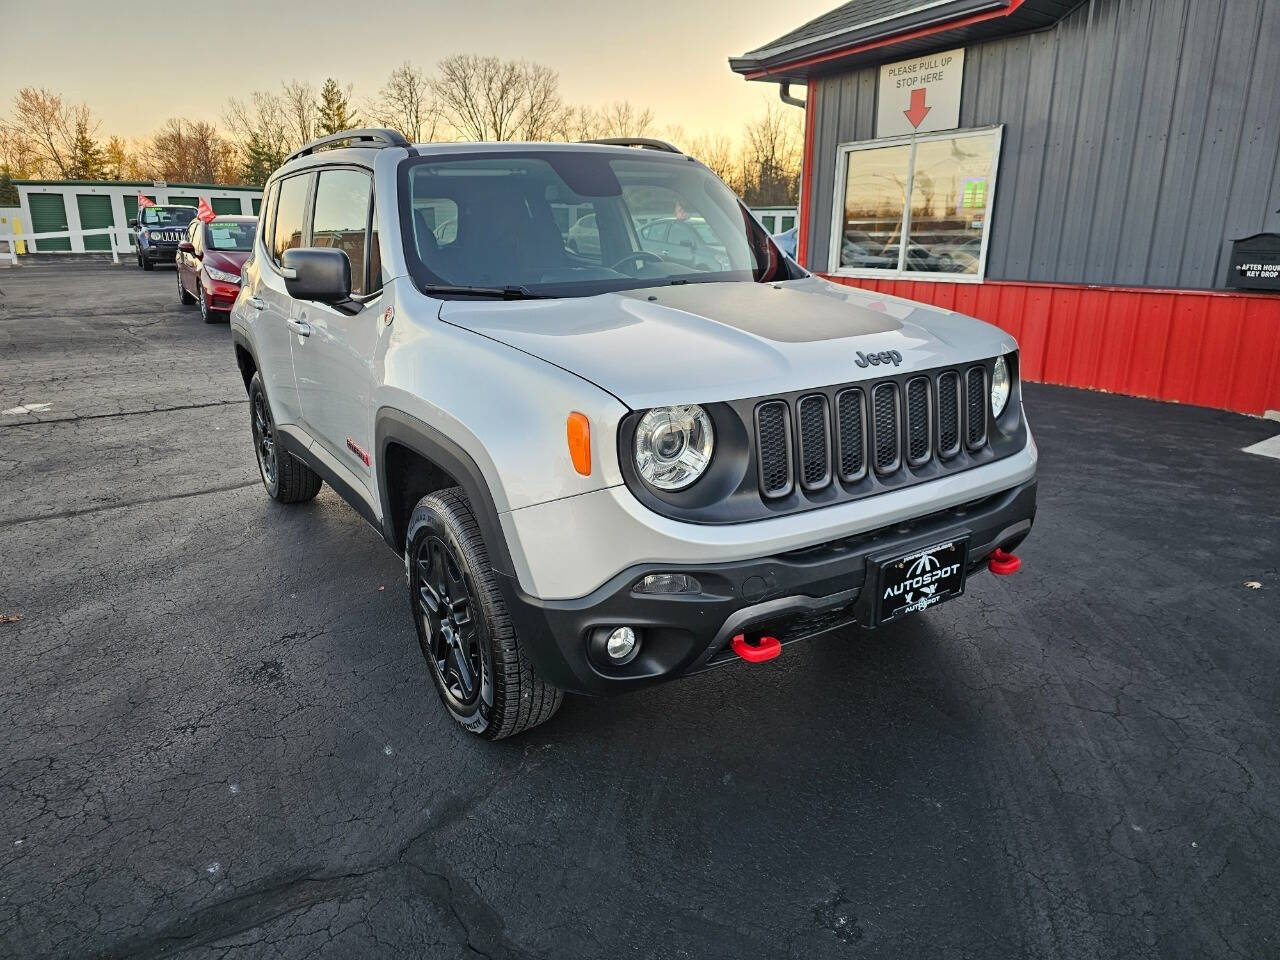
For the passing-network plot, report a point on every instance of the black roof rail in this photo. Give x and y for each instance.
(375, 137)
(645, 143)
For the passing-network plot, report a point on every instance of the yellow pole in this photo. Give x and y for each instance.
(20, 244)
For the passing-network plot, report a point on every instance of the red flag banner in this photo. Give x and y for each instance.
(204, 211)
(144, 202)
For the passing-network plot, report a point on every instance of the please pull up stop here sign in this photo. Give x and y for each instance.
(920, 95)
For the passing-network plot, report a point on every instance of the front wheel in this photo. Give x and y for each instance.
(482, 676)
(184, 298)
(144, 263)
(286, 479)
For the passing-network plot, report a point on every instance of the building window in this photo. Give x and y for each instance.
(936, 190)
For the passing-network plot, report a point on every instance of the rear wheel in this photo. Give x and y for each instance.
(482, 676)
(287, 479)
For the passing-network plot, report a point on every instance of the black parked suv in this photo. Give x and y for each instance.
(160, 229)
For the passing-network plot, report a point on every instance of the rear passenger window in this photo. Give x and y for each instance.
(290, 211)
(341, 218)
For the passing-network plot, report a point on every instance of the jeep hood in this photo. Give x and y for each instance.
(704, 342)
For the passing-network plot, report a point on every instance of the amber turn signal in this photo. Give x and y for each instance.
(578, 428)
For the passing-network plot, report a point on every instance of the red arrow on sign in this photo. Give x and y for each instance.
(919, 109)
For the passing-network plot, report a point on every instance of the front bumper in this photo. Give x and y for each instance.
(220, 295)
(160, 252)
(792, 596)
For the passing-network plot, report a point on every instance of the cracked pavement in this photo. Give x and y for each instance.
(218, 739)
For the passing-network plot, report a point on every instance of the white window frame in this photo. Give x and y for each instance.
(845, 150)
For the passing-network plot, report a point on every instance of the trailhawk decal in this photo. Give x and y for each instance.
(359, 452)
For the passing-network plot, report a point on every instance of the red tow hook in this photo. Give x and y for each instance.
(766, 648)
(1003, 564)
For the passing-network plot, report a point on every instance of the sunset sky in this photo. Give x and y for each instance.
(187, 59)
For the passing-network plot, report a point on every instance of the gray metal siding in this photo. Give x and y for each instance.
(1141, 137)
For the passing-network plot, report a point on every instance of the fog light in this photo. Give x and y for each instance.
(621, 643)
(668, 583)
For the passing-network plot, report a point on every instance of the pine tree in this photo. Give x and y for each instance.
(8, 192)
(336, 112)
(260, 161)
(87, 162)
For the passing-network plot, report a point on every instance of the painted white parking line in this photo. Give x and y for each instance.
(26, 408)
(1266, 448)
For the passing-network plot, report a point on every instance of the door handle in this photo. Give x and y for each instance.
(300, 327)
(257, 303)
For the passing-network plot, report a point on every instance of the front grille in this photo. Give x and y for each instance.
(773, 446)
(851, 425)
(975, 389)
(918, 432)
(948, 413)
(885, 433)
(815, 445)
(884, 418)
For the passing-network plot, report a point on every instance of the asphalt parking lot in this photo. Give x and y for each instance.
(218, 739)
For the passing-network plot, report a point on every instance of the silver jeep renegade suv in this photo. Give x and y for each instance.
(616, 436)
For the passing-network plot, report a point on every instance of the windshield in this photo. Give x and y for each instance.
(230, 235)
(557, 223)
(168, 216)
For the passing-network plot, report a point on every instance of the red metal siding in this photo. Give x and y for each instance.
(1209, 348)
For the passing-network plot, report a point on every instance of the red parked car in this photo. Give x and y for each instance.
(209, 262)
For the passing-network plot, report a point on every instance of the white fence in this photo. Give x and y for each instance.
(118, 243)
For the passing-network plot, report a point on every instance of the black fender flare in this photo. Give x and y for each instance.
(395, 426)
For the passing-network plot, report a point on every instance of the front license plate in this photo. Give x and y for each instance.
(922, 579)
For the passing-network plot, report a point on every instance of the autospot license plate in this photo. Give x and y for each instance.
(921, 579)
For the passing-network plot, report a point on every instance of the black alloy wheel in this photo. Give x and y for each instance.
(264, 442)
(450, 635)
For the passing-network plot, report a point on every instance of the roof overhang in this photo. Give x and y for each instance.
(926, 26)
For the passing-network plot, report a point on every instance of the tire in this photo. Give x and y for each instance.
(462, 619)
(138, 257)
(207, 315)
(184, 298)
(145, 263)
(287, 480)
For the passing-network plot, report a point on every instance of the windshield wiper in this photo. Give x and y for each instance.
(500, 293)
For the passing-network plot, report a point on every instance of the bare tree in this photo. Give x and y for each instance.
(51, 132)
(717, 154)
(260, 129)
(17, 155)
(405, 103)
(621, 119)
(581, 123)
(485, 98)
(301, 110)
(771, 157)
(190, 152)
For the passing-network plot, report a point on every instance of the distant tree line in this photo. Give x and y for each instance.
(466, 98)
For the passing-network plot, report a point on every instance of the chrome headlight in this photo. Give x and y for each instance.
(1001, 384)
(673, 446)
(215, 274)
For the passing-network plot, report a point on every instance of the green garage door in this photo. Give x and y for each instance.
(184, 201)
(257, 205)
(227, 206)
(95, 213)
(48, 215)
(131, 205)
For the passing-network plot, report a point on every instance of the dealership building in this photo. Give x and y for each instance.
(1101, 178)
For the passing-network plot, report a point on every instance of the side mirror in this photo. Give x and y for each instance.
(133, 224)
(186, 246)
(316, 273)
